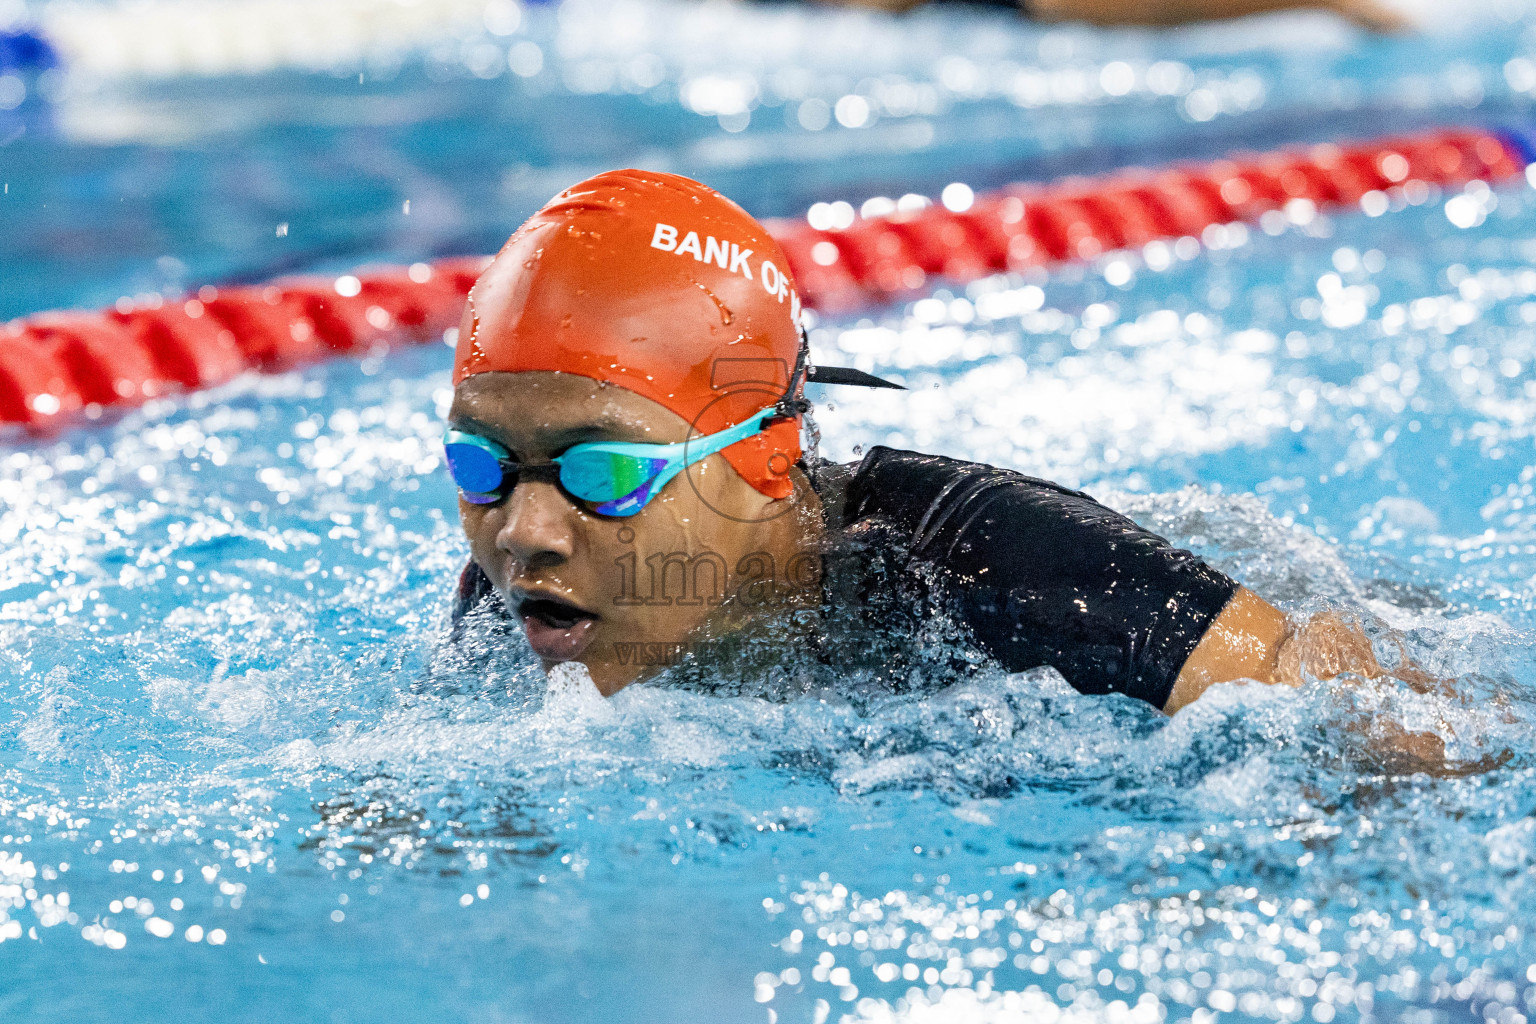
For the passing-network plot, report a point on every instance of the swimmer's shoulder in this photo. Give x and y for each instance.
(1039, 573)
(910, 489)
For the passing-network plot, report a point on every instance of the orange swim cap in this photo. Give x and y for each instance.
(657, 284)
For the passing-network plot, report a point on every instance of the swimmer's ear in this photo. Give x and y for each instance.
(847, 375)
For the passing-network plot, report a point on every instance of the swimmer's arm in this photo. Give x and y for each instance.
(1371, 14)
(1243, 642)
(889, 6)
(1252, 639)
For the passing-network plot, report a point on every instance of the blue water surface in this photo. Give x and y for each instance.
(242, 779)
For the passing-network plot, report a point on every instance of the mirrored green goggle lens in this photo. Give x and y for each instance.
(606, 476)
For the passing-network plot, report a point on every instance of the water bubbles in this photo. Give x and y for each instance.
(830, 216)
(957, 197)
(1300, 212)
(485, 60)
(1202, 105)
(502, 17)
(1117, 78)
(1520, 73)
(1169, 78)
(1374, 203)
(1472, 207)
(1393, 166)
(720, 95)
(877, 206)
(1463, 211)
(12, 92)
(1119, 272)
(525, 58)
(814, 114)
(852, 111)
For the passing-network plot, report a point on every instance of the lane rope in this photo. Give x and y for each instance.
(60, 367)
(872, 260)
(57, 367)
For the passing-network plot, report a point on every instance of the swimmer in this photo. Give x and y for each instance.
(626, 438)
(1370, 14)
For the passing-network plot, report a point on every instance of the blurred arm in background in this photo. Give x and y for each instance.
(1371, 14)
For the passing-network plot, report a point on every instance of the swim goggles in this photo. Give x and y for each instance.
(613, 478)
(618, 478)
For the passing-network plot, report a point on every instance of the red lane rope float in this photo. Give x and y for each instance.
(56, 366)
(877, 259)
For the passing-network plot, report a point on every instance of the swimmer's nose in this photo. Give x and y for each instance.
(538, 531)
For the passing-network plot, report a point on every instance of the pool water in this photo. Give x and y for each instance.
(241, 776)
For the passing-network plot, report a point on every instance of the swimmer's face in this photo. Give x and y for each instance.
(621, 596)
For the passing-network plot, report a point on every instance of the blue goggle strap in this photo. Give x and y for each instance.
(681, 454)
(676, 457)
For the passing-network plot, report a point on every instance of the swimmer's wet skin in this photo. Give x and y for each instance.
(627, 405)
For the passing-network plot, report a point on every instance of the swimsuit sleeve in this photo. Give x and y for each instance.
(1042, 575)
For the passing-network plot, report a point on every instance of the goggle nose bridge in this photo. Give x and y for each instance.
(539, 473)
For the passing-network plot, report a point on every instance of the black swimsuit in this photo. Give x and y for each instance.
(1041, 575)
(1036, 574)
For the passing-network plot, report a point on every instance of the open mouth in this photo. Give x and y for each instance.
(552, 612)
(557, 630)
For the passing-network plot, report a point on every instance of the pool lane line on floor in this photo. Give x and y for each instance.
(57, 368)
